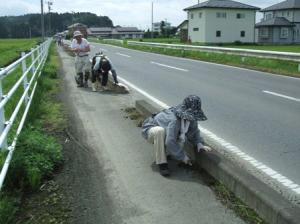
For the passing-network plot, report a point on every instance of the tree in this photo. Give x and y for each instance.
(20, 26)
(3, 30)
(163, 28)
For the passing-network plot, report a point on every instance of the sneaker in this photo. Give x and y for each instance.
(164, 169)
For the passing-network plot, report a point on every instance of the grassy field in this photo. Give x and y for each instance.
(11, 49)
(282, 48)
(289, 68)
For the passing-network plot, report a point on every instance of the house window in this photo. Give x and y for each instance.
(264, 32)
(192, 15)
(298, 32)
(218, 33)
(196, 29)
(240, 16)
(200, 14)
(288, 13)
(221, 14)
(243, 33)
(268, 16)
(284, 32)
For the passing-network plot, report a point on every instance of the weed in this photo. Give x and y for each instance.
(8, 208)
(133, 114)
(231, 201)
(37, 153)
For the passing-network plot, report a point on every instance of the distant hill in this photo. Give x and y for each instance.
(30, 24)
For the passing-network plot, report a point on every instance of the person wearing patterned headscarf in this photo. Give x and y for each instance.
(169, 129)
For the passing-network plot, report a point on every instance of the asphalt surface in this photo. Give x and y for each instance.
(242, 106)
(122, 166)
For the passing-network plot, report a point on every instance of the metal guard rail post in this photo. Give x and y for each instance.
(42, 53)
(234, 51)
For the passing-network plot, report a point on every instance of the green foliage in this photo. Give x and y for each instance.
(35, 158)
(29, 25)
(11, 49)
(289, 68)
(37, 153)
(231, 201)
(8, 208)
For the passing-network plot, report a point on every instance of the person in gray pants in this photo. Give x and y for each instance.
(169, 129)
(81, 47)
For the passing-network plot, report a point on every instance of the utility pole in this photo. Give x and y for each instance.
(50, 3)
(152, 20)
(42, 20)
(29, 32)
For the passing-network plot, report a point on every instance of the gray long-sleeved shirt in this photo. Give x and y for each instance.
(171, 123)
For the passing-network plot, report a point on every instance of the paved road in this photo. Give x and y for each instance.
(255, 111)
(121, 183)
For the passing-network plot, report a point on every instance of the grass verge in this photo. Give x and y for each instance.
(288, 68)
(38, 154)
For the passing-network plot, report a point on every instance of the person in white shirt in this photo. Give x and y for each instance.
(81, 47)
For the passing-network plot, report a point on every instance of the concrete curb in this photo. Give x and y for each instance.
(268, 203)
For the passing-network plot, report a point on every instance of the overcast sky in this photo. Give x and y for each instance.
(121, 12)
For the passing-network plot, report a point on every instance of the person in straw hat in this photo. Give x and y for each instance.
(81, 47)
(169, 129)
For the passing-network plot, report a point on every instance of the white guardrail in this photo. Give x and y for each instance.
(38, 57)
(114, 41)
(235, 51)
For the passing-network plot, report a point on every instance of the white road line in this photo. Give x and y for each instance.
(168, 66)
(163, 105)
(283, 96)
(124, 55)
(229, 147)
(212, 63)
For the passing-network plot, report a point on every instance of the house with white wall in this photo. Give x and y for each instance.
(115, 32)
(280, 23)
(221, 21)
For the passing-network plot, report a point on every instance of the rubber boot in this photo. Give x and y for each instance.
(94, 87)
(79, 80)
(86, 77)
